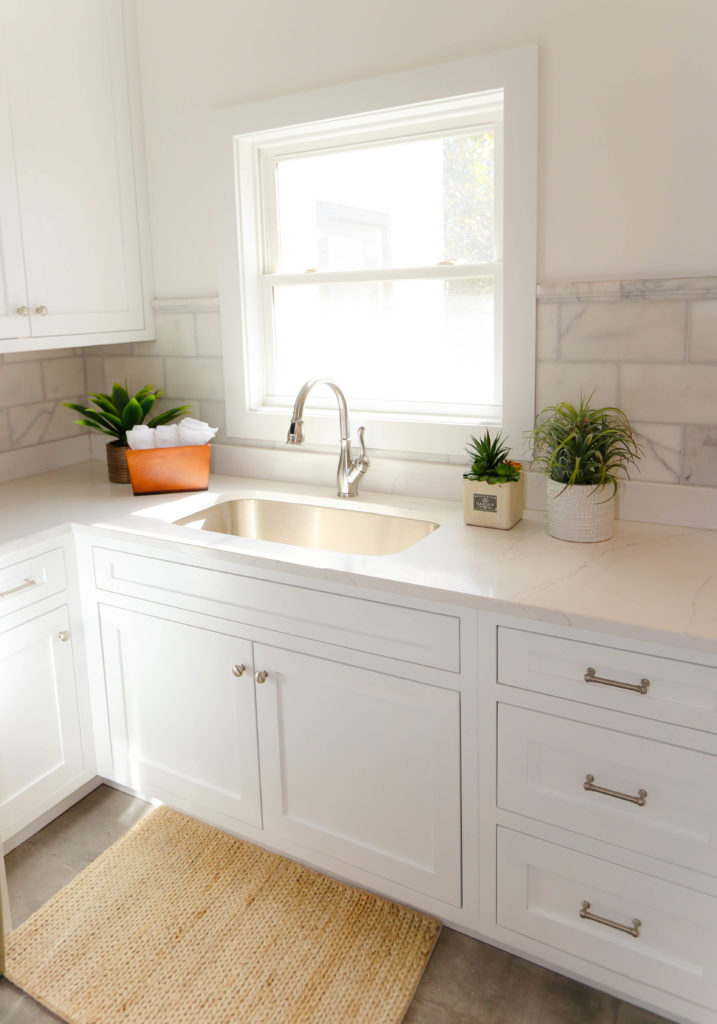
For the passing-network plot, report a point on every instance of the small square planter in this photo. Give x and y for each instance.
(496, 505)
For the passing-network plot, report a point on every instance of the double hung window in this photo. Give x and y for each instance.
(371, 248)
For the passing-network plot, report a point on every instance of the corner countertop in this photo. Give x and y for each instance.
(650, 582)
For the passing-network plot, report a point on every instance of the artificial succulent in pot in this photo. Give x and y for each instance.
(492, 487)
(584, 452)
(119, 412)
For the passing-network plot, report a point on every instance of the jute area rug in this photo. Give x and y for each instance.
(178, 923)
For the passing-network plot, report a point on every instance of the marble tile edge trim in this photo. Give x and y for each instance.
(209, 304)
(645, 288)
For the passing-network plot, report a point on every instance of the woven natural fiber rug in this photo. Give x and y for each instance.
(178, 923)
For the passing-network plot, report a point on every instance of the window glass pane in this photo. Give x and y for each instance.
(400, 204)
(389, 342)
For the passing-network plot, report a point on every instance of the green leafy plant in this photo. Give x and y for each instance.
(584, 445)
(119, 412)
(490, 462)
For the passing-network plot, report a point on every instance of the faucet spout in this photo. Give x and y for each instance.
(349, 470)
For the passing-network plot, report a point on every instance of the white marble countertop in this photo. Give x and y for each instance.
(650, 582)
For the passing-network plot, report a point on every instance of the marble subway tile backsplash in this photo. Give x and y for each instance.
(649, 347)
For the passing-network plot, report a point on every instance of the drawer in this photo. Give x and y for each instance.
(542, 888)
(679, 691)
(543, 764)
(31, 579)
(407, 634)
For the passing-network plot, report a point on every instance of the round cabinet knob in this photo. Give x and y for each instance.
(238, 670)
(41, 310)
(261, 677)
(64, 635)
(22, 311)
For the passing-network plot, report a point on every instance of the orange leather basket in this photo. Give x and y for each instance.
(160, 470)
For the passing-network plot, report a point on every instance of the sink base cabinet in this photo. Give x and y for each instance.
(335, 755)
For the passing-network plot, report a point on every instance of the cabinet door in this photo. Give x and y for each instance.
(41, 755)
(14, 310)
(362, 766)
(182, 722)
(71, 127)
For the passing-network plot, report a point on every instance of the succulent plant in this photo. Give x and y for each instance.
(490, 462)
(119, 412)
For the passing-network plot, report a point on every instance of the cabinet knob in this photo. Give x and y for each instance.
(41, 310)
(261, 677)
(22, 311)
(238, 670)
(64, 635)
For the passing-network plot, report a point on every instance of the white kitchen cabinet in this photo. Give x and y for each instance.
(182, 712)
(73, 243)
(598, 825)
(41, 751)
(341, 743)
(363, 766)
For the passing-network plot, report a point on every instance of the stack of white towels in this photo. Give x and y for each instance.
(171, 435)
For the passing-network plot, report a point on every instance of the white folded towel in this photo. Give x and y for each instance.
(167, 435)
(192, 432)
(141, 436)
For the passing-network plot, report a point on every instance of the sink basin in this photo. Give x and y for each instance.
(352, 531)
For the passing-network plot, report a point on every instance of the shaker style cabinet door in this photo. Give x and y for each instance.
(70, 244)
(182, 713)
(363, 767)
(41, 754)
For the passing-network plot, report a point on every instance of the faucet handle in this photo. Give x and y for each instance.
(361, 460)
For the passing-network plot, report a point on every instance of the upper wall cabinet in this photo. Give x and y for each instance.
(74, 256)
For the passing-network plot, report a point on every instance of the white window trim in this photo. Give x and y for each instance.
(515, 72)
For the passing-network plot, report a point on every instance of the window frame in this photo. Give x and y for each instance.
(324, 117)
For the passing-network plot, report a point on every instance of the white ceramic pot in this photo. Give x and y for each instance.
(581, 512)
(496, 505)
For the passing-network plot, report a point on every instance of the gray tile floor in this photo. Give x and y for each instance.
(466, 982)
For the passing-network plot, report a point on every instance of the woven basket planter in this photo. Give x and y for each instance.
(117, 463)
(581, 512)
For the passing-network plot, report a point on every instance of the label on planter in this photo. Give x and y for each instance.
(485, 502)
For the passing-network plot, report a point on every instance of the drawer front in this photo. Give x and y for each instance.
(543, 767)
(406, 634)
(541, 891)
(31, 579)
(679, 691)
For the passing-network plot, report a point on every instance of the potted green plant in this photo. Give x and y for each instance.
(116, 414)
(584, 452)
(493, 486)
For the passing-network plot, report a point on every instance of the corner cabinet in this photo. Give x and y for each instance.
(74, 258)
(325, 725)
(46, 752)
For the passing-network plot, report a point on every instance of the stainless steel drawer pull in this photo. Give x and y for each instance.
(634, 931)
(642, 687)
(238, 670)
(27, 582)
(640, 799)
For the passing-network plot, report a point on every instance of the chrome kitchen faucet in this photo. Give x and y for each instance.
(349, 470)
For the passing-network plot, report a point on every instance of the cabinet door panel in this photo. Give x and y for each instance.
(40, 741)
(364, 767)
(74, 163)
(182, 724)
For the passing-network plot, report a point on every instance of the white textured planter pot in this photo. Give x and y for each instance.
(496, 505)
(580, 512)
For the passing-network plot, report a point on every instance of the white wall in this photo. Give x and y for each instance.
(628, 151)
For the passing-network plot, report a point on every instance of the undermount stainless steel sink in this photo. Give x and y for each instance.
(349, 530)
